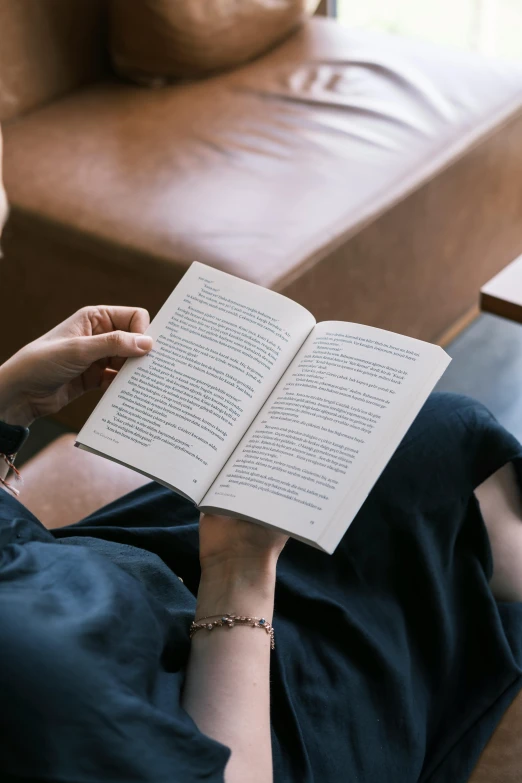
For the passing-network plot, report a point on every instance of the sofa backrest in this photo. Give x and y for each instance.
(47, 48)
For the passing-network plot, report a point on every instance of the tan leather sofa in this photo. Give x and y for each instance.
(371, 178)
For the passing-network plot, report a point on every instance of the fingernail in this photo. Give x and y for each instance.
(144, 343)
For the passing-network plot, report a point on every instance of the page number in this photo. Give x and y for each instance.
(194, 481)
(312, 521)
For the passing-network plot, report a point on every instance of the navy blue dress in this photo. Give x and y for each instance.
(393, 662)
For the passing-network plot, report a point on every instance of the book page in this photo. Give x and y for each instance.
(328, 429)
(220, 346)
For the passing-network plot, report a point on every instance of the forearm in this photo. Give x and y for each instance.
(227, 684)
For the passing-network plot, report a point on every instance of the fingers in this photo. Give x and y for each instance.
(107, 378)
(115, 363)
(101, 320)
(108, 318)
(112, 344)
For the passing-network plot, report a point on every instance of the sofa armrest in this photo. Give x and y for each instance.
(63, 484)
(501, 759)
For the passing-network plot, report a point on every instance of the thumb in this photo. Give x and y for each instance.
(111, 344)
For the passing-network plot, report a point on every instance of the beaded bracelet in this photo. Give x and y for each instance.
(230, 620)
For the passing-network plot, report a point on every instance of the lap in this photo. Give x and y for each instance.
(372, 641)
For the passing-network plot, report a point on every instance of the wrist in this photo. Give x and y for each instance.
(13, 408)
(15, 413)
(237, 587)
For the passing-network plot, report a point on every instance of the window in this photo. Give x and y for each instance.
(488, 26)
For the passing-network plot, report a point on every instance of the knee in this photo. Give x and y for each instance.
(501, 508)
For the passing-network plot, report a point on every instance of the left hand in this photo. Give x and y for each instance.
(80, 354)
(226, 542)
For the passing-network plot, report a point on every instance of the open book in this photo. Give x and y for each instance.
(249, 408)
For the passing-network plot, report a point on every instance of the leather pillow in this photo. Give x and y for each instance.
(155, 41)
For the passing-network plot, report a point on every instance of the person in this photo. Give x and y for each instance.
(394, 658)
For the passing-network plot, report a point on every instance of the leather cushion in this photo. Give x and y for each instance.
(261, 171)
(47, 48)
(157, 40)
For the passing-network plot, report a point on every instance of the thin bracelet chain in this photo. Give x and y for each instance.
(230, 620)
(9, 461)
(210, 616)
